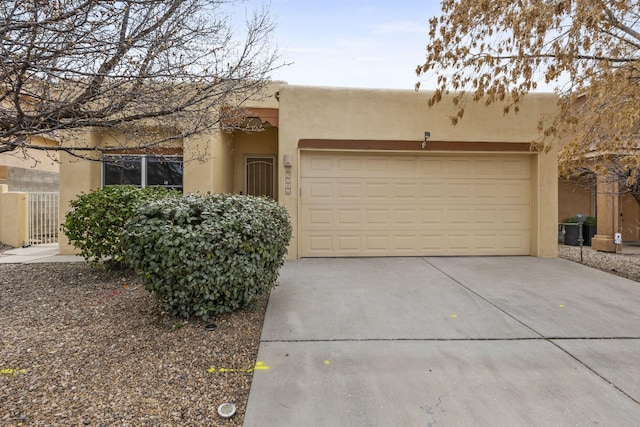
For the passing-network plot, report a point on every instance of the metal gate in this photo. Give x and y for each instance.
(260, 176)
(42, 216)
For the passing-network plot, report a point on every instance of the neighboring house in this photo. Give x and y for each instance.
(622, 211)
(32, 170)
(26, 217)
(600, 197)
(576, 196)
(353, 170)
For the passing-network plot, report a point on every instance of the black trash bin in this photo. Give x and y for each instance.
(572, 234)
(589, 230)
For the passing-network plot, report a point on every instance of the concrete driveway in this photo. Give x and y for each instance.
(482, 341)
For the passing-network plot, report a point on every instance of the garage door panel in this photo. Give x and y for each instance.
(349, 243)
(459, 167)
(363, 204)
(461, 217)
(514, 217)
(349, 164)
(348, 191)
(514, 190)
(486, 191)
(404, 190)
(320, 244)
(377, 190)
(319, 165)
(432, 243)
(433, 216)
(431, 167)
(513, 241)
(487, 216)
(381, 190)
(376, 216)
(512, 168)
(486, 167)
(377, 243)
(395, 244)
(373, 165)
(378, 164)
(349, 216)
(320, 190)
(488, 219)
(319, 217)
(405, 217)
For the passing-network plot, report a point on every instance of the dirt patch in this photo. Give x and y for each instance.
(82, 347)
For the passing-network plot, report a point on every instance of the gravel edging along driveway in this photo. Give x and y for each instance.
(621, 264)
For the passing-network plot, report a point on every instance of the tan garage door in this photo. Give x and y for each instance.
(363, 204)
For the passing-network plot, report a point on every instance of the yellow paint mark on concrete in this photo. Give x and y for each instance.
(261, 366)
(455, 316)
(327, 362)
(561, 305)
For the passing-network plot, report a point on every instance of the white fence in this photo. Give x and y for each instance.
(42, 215)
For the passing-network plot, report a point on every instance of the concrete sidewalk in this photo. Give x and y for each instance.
(506, 341)
(35, 254)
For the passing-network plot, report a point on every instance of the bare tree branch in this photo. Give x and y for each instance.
(130, 64)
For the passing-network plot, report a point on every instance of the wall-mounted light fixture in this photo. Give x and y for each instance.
(287, 160)
(427, 135)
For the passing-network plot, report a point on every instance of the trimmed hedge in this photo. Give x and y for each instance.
(96, 223)
(204, 255)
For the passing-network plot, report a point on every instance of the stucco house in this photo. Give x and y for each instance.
(597, 197)
(359, 177)
(28, 190)
(31, 170)
(602, 197)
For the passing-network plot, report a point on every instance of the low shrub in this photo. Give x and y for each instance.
(96, 223)
(204, 255)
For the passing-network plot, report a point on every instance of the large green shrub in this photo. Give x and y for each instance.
(203, 255)
(96, 223)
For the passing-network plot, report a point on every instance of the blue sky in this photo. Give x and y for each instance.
(353, 43)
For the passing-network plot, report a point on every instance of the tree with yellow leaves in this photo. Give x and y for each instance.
(499, 50)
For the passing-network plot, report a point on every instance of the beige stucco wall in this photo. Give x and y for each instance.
(207, 164)
(76, 176)
(13, 217)
(575, 197)
(33, 159)
(363, 114)
(210, 161)
(629, 218)
(545, 205)
(30, 169)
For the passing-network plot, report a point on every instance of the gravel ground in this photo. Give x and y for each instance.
(622, 264)
(81, 347)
